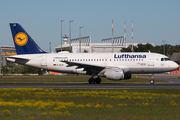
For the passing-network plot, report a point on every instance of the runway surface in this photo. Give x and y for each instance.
(91, 86)
(173, 83)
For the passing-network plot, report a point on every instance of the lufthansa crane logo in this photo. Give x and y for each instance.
(21, 39)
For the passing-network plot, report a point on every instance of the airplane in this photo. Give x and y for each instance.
(113, 66)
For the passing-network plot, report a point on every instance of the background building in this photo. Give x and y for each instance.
(176, 58)
(4, 52)
(83, 44)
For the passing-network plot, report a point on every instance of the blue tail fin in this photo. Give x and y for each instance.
(23, 42)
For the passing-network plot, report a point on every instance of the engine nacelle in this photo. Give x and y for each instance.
(114, 73)
(127, 76)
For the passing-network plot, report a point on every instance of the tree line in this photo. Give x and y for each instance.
(14, 69)
(169, 49)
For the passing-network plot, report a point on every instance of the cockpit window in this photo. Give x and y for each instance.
(165, 59)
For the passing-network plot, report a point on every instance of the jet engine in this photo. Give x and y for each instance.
(114, 73)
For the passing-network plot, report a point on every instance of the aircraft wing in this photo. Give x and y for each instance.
(83, 65)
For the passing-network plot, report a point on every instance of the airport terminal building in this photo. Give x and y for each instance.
(4, 52)
(83, 44)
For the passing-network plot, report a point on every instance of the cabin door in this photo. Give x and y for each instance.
(44, 60)
(151, 60)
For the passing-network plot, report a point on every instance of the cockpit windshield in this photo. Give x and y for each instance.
(165, 59)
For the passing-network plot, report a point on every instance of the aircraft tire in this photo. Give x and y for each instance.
(152, 81)
(91, 81)
(98, 80)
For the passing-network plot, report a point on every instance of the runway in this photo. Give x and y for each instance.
(91, 86)
(172, 83)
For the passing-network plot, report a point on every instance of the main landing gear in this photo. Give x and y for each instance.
(93, 81)
(151, 79)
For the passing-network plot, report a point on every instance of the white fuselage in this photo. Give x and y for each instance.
(137, 62)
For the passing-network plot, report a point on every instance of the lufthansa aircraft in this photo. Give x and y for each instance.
(113, 66)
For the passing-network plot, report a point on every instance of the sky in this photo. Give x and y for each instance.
(154, 20)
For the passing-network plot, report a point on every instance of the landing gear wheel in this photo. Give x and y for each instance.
(152, 81)
(91, 81)
(98, 80)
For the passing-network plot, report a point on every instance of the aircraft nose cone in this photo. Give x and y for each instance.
(175, 66)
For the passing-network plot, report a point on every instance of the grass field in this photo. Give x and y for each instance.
(55, 104)
(65, 79)
(86, 104)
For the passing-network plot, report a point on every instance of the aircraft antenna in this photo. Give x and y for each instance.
(112, 38)
(132, 36)
(125, 34)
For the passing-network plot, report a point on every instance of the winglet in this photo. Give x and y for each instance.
(24, 44)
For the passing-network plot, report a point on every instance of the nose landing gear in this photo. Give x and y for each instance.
(151, 79)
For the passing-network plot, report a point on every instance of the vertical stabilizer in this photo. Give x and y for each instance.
(23, 42)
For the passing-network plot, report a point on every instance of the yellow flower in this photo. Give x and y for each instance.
(120, 105)
(31, 118)
(172, 103)
(88, 105)
(145, 104)
(80, 106)
(6, 112)
(109, 106)
(44, 114)
(98, 106)
(66, 113)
